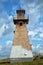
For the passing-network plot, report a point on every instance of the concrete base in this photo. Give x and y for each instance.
(21, 60)
(19, 54)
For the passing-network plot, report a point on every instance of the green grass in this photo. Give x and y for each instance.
(35, 62)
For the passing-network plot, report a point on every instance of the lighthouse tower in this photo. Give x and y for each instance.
(21, 48)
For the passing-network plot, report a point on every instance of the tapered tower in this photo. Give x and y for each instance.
(22, 48)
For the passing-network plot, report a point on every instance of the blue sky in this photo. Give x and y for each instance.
(34, 9)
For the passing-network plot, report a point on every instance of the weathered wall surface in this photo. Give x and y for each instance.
(21, 37)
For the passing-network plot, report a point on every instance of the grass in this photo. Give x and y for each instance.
(34, 62)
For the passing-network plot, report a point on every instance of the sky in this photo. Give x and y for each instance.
(34, 12)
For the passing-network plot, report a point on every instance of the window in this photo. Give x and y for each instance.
(20, 14)
(20, 24)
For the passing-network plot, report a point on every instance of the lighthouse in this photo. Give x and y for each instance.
(21, 48)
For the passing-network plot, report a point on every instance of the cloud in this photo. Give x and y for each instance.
(32, 33)
(7, 46)
(8, 43)
(2, 30)
(41, 51)
(41, 35)
(37, 34)
(33, 10)
(11, 17)
(5, 49)
(0, 47)
(6, 24)
(37, 48)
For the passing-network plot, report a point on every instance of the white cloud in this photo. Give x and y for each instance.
(0, 47)
(6, 23)
(41, 51)
(41, 35)
(5, 49)
(36, 34)
(2, 29)
(36, 39)
(10, 17)
(32, 33)
(32, 10)
(33, 47)
(37, 48)
(8, 43)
